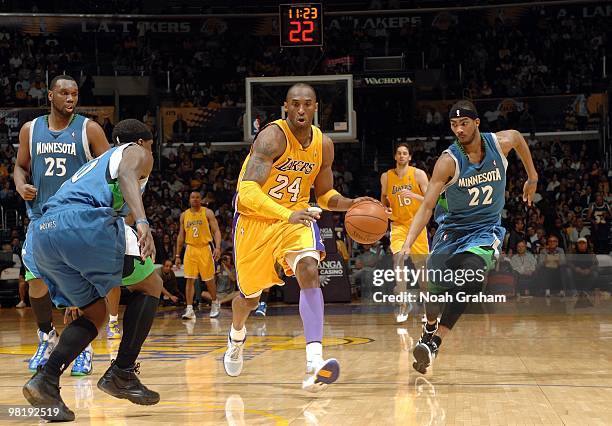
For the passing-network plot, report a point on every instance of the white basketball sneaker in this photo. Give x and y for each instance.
(233, 360)
(215, 308)
(189, 313)
(320, 374)
(402, 313)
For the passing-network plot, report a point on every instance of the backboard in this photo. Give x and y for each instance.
(265, 97)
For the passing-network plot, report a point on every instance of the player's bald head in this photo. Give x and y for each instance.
(301, 90)
(66, 79)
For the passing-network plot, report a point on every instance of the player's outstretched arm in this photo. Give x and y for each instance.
(512, 139)
(214, 227)
(180, 240)
(136, 164)
(327, 197)
(97, 139)
(21, 173)
(444, 170)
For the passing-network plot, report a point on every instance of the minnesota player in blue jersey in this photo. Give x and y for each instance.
(51, 148)
(84, 249)
(467, 189)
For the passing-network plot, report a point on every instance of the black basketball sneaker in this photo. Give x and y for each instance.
(426, 348)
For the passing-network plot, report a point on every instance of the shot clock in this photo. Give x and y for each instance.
(301, 25)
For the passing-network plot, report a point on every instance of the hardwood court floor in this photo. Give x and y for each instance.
(527, 366)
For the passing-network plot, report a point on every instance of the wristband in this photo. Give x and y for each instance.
(144, 221)
(323, 200)
(530, 181)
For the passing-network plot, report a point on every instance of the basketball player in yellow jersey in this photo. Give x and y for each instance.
(274, 225)
(194, 230)
(402, 189)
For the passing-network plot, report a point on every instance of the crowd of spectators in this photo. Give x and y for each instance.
(565, 59)
(507, 56)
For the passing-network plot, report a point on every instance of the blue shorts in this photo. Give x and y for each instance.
(449, 242)
(27, 254)
(80, 253)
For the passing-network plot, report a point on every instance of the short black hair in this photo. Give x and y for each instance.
(130, 130)
(60, 77)
(302, 85)
(464, 104)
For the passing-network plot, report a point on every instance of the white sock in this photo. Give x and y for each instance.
(314, 352)
(237, 335)
(113, 318)
(189, 307)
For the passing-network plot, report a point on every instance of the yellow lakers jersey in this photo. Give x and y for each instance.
(292, 174)
(197, 229)
(403, 208)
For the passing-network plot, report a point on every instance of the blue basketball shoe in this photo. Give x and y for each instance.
(261, 309)
(83, 364)
(46, 343)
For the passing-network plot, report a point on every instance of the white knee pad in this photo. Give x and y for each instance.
(293, 258)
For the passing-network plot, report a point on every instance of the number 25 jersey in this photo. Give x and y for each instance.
(55, 157)
(292, 174)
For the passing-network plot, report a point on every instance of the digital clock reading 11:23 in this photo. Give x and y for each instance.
(301, 25)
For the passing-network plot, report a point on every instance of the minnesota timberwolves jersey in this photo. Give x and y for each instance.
(55, 156)
(474, 198)
(95, 184)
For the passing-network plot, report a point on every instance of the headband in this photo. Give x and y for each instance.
(462, 112)
(133, 137)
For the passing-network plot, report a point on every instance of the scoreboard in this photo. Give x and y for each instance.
(301, 25)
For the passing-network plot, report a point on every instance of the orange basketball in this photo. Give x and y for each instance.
(366, 222)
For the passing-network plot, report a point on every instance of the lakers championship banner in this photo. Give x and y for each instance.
(197, 124)
(98, 113)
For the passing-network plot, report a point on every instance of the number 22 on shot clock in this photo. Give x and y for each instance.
(301, 25)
